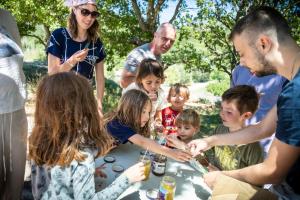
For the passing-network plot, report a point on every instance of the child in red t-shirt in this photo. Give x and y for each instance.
(178, 95)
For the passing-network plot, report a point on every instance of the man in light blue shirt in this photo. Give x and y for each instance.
(269, 87)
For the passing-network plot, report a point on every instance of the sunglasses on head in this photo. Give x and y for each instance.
(85, 12)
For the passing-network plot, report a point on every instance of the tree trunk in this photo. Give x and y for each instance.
(47, 34)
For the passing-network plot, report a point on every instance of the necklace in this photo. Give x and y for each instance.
(293, 67)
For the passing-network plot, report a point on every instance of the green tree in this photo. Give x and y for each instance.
(127, 24)
(202, 43)
(123, 24)
(216, 18)
(31, 13)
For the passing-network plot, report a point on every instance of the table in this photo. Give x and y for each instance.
(189, 182)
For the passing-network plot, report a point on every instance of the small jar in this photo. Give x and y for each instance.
(159, 165)
(167, 188)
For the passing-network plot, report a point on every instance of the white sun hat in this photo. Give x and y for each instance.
(73, 3)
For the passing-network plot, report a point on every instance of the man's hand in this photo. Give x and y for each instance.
(198, 146)
(210, 178)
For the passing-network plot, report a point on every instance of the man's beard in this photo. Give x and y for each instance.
(266, 67)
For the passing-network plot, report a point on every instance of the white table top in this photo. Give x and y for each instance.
(189, 182)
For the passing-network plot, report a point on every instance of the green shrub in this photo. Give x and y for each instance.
(209, 120)
(112, 94)
(200, 77)
(177, 74)
(217, 88)
(203, 101)
(34, 71)
(218, 75)
(33, 50)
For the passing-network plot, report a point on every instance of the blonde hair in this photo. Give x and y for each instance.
(176, 87)
(188, 116)
(66, 121)
(130, 110)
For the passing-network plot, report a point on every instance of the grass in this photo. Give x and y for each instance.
(209, 121)
(217, 88)
(209, 118)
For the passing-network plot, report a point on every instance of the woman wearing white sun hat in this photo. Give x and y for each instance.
(78, 47)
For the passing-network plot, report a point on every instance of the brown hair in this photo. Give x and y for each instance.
(188, 116)
(148, 67)
(92, 32)
(130, 110)
(245, 97)
(261, 20)
(177, 87)
(66, 121)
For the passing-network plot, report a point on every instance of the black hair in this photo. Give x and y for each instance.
(260, 20)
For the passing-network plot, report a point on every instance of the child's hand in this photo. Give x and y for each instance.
(99, 171)
(158, 127)
(174, 142)
(152, 96)
(135, 173)
(180, 155)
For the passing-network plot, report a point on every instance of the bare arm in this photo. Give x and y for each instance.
(158, 116)
(158, 121)
(126, 78)
(274, 169)
(247, 135)
(147, 143)
(100, 84)
(176, 143)
(54, 65)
